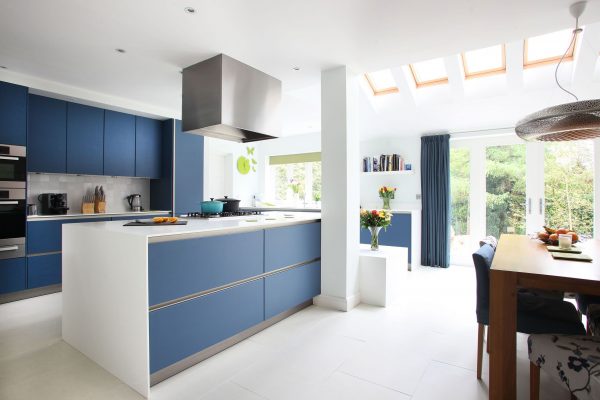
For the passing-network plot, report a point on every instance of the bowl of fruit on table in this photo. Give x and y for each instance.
(550, 235)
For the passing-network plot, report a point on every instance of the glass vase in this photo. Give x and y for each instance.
(386, 203)
(374, 237)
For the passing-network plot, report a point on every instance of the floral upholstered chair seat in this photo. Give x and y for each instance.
(572, 360)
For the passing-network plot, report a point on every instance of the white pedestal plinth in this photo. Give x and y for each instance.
(380, 273)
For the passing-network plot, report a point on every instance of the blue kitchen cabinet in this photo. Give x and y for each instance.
(44, 270)
(85, 139)
(397, 234)
(291, 288)
(147, 148)
(46, 135)
(292, 245)
(119, 144)
(46, 236)
(161, 190)
(13, 275)
(184, 329)
(176, 270)
(189, 170)
(13, 114)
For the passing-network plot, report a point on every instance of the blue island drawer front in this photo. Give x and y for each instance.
(181, 330)
(397, 234)
(13, 275)
(183, 267)
(44, 270)
(292, 245)
(288, 289)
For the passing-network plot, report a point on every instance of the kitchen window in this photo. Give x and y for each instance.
(294, 180)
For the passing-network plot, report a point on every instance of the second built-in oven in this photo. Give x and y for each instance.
(13, 220)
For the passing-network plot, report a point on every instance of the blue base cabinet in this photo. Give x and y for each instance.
(397, 234)
(13, 275)
(44, 270)
(292, 245)
(184, 329)
(13, 114)
(290, 288)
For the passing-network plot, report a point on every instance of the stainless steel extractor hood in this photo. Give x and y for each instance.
(227, 99)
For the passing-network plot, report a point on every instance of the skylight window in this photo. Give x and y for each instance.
(382, 82)
(484, 62)
(548, 48)
(431, 72)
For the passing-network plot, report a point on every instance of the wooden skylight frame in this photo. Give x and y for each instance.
(550, 60)
(380, 91)
(487, 72)
(431, 82)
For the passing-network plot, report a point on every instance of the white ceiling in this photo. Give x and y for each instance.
(72, 42)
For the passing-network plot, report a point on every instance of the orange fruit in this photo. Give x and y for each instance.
(562, 231)
(554, 237)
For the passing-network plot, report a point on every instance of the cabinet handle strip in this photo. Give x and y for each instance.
(196, 295)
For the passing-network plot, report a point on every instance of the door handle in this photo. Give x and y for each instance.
(529, 205)
(9, 158)
(9, 248)
(541, 206)
(6, 203)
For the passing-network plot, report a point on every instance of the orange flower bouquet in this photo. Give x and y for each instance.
(374, 220)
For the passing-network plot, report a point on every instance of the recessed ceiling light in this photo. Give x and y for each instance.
(120, 51)
(296, 68)
(189, 10)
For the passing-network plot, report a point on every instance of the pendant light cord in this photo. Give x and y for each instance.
(572, 44)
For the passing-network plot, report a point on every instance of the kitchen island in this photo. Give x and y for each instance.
(148, 302)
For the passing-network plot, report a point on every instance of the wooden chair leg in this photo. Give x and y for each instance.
(479, 349)
(534, 382)
(487, 340)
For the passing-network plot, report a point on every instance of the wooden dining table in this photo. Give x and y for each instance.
(523, 262)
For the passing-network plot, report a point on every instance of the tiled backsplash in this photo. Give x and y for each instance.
(76, 186)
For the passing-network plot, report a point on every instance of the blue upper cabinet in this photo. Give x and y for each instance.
(47, 135)
(85, 139)
(13, 114)
(119, 144)
(189, 170)
(147, 147)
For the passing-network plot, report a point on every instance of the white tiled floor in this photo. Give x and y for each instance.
(421, 347)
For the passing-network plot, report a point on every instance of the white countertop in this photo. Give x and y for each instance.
(102, 215)
(197, 227)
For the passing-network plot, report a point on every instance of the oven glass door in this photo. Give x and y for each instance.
(12, 164)
(13, 216)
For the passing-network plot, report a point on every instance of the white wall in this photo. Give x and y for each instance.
(408, 186)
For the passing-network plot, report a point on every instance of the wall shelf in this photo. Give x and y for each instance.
(382, 173)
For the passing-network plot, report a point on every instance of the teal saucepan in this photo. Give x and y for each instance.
(212, 206)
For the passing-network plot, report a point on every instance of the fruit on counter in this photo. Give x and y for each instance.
(160, 220)
(562, 231)
(553, 237)
(173, 219)
(574, 236)
(549, 230)
(543, 236)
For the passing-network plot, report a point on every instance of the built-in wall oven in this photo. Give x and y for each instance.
(13, 213)
(12, 166)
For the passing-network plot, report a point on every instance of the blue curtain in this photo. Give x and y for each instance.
(435, 198)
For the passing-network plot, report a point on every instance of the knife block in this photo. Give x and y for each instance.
(99, 207)
(87, 208)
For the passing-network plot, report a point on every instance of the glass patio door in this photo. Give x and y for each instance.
(504, 185)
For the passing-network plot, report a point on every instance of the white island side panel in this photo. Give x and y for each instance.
(105, 300)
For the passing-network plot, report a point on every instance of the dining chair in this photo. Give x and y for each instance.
(535, 313)
(571, 360)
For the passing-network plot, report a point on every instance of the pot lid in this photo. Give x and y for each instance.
(227, 199)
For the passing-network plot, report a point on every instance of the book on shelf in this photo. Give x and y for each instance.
(385, 162)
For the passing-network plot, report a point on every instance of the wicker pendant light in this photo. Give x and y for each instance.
(571, 121)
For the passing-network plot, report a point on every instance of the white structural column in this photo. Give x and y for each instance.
(340, 191)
